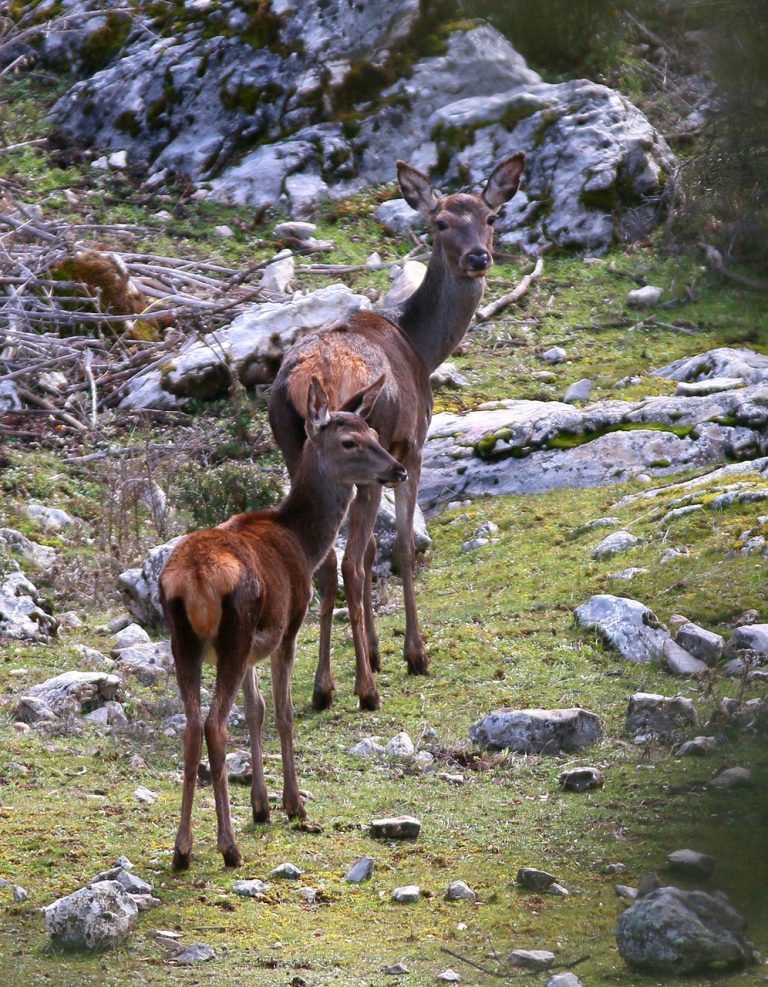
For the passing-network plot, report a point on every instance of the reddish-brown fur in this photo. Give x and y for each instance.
(404, 346)
(238, 593)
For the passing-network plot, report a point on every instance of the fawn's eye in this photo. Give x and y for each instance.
(349, 444)
(491, 219)
(441, 225)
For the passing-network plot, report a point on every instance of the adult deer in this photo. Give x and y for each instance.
(238, 593)
(404, 346)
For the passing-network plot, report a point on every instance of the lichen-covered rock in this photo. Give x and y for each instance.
(97, 917)
(21, 617)
(139, 587)
(537, 731)
(675, 932)
(626, 625)
(70, 692)
(661, 717)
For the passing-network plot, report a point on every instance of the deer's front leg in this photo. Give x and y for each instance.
(254, 716)
(228, 681)
(414, 650)
(328, 585)
(282, 666)
(188, 668)
(362, 517)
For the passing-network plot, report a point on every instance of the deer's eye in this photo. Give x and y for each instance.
(349, 443)
(441, 225)
(491, 219)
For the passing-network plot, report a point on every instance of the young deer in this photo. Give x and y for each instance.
(235, 594)
(404, 346)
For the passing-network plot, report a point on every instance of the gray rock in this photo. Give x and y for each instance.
(238, 768)
(297, 230)
(645, 297)
(615, 543)
(145, 796)
(70, 692)
(660, 717)
(616, 868)
(559, 890)
(531, 959)
(734, 778)
(406, 280)
(9, 396)
(21, 617)
(132, 883)
(19, 893)
(49, 518)
(533, 879)
(449, 976)
(396, 970)
(250, 888)
(279, 274)
(474, 544)
(680, 662)
(581, 779)
(447, 375)
(368, 747)
(459, 891)
(149, 663)
(400, 746)
(626, 892)
(110, 714)
(691, 864)
(14, 541)
(628, 574)
(198, 952)
(676, 932)
(361, 870)
(396, 828)
(712, 386)
(741, 364)
(753, 637)
(702, 644)
(537, 731)
(627, 625)
(286, 872)
(409, 894)
(97, 917)
(396, 216)
(697, 747)
(566, 979)
(555, 354)
(139, 586)
(129, 637)
(144, 902)
(578, 391)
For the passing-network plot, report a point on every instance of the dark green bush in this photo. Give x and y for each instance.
(231, 488)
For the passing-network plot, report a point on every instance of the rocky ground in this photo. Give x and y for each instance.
(588, 755)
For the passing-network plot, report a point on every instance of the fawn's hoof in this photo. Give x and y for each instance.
(371, 700)
(181, 860)
(418, 664)
(322, 699)
(232, 857)
(374, 658)
(261, 816)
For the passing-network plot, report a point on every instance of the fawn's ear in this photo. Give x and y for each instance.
(417, 189)
(362, 403)
(504, 181)
(318, 414)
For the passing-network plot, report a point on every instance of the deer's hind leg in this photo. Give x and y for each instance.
(254, 715)
(187, 656)
(282, 668)
(328, 585)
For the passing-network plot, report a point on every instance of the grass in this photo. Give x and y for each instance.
(500, 631)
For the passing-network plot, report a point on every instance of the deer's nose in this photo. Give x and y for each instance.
(398, 474)
(478, 260)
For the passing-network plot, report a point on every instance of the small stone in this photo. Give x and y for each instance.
(581, 779)
(132, 883)
(400, 745)
(367, 748)
(556, 354)
(698, 747)
(627, 574)
(565, 979)
(250, 888)
(198, 952)
(224, 230)
(360, 871)
(144, 902)
(296, 229)
(734, 778)
(129, 637)
(20, 893)
(118, 159)
(451, 779)
(645, 297)
(396, 970)
(449, 975)
(613, 868)
(309, 895)
(613, 544)
(691, 863)
(702, 644)
(474, 544)
(624, 891)
(533, 879)
(396, 828)
(459, 891)
(578, 391)
(145, 795)
(407, 895)
(681, 662)
(531, 959)
(558, 890)
(286, 872)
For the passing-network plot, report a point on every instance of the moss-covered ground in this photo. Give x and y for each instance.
(500, 629)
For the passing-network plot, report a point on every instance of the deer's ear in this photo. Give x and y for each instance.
(417, 189)
(318, 414)
(504, 181)
(363, 401)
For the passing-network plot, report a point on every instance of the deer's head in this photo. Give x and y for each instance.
(462, 223)
(346, 445)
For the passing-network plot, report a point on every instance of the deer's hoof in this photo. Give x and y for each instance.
(322, 699)
(181, 859)
(418, 664)
(374, 659)
(232, 857)
(371, 700)
(296, 812)
(261, 815)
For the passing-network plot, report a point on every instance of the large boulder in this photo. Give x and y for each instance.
(97, 917)
(291, 103)
(139, 586)
(675, 932)
(626, 625)
(21, 616)
(70, 692)
(537, 731)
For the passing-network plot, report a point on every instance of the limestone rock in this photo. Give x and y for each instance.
(409, 894)
(537, 731)
(459, 891)
(21, 616)
(361, 870)
(661, 717)
(702, 644)
(691, 864)
(97, 917)
(646, 297)
(139, 586)
(396, 828)
(14, 541)
(753, 637)
(627, 625)
(250, 888)
(70, 692)
(581, 779)
(534, 880)
(615, 543)
(681, 662)
(676, 932)
(531, 959)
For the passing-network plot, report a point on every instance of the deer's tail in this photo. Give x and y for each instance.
(201, 586)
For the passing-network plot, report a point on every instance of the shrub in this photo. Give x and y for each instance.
(231, 488)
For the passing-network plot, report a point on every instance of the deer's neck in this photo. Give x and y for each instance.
(315, 507)
(437, 315)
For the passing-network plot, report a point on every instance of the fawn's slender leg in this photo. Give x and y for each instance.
(414, 651)
(328, 586)
(229, 677)
(282, 666)
(362, 517)
(254, 715)
(370, 624)
(187, 654)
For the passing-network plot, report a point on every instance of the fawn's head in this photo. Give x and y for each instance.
(462, 223)
(346, 445)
